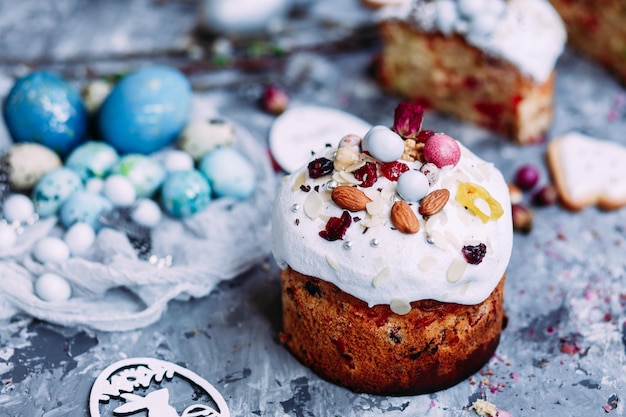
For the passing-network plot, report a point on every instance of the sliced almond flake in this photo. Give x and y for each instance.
(464, 288)
(375, 207)
(300, 181)
(452, 239)
(347, 178)
(456, 270)
(437, 237)
(333, 264)
(371, 222)
(313, 204)
(324, 217)
(381, 275)
(484, 169)
(442, 217)
(326, 195)
(483, 206)
(400, 307)
(389, 191)
(427, 263)
(356, 166)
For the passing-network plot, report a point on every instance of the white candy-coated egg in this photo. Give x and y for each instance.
(202, 136)
(51, 249)
(51, 287)
(383, 144)
(79, 238)
(94, 94)
(7, 236)
(17, 208)
(28, 162)
(470, 8)
(412, 185)
(146, 213)
(447, 15)
(94, 185)
(119, 190)
(175, 160)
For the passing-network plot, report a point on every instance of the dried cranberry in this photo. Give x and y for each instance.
(392, 170)
(336, 227)
(424, 135)
(367, 174)
(320, 167)
(475, 254)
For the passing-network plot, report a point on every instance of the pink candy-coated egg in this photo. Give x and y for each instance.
(442, 150)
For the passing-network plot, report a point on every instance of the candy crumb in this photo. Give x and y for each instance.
(484, 408)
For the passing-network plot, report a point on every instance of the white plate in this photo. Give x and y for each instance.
(302, 130)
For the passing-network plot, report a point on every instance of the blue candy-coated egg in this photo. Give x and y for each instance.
(412, 185)
(84, 207)
(53, 189)
(229, 173)
(185, 193)
(42, 107)
(146, 110)
(92, 159)
(145, 173)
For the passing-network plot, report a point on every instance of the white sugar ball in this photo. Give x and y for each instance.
(79, 237)
(51, 287)
(447, 15)
(17, 207)
(175, 160)
(94, 185)
(146, 213)
(51, 249)
(412, 185)
(383, 144)
(119, 190)
(470, 8)
(7, 236)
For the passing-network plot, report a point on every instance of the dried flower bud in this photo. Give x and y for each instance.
(546, 196)
(407, 120)
(522, 218)
(515, 193)
(274, 100)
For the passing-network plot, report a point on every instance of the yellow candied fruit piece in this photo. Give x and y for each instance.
(467, 194)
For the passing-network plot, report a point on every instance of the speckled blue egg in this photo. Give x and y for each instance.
(229, 173)
(185, 193)
(146, 110)
(44, 108)
(92, 159)
(53, 189)
(84, 207)
(145, 173)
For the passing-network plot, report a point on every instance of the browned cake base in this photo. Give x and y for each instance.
(598, 29)
(447, 74)
(373, 350)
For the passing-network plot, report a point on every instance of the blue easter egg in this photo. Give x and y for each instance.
(53, 189)
(229, 173)
(146, 174)
(44, 108)
(185, 193)
(84, 207)
(146, 110)
(92, 159)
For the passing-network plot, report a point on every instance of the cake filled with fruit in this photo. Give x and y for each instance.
(393, 249)
(120, 189)
(488, 62)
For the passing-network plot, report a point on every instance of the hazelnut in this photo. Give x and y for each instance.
(522, 218)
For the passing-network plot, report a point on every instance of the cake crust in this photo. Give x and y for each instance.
(373, 350)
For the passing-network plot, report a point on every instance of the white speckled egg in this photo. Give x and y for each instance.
(84, 207)
(202, 136)
(412, 185)
(79, 238)
(146, 213)
(51, 249)
(119, 190)
(51, 287)
(94, 94)
(53, 189)
(27, 163)
(92, 159)
(8, 237)
(145, 173)
(174, 160)
(17, 208)
(383, 144)
(229, 173)
(241, 17)
(94, 185)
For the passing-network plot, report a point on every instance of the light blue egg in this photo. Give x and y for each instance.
(146, 110)
(185, 193)
(229, 173)
(92, 159)
(145, 173)
(85, 207)
(44, 108)
(53, 189)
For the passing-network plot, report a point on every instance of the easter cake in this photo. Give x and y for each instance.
(139, 186)
(393, 250)
(488, 62)
(597, 30)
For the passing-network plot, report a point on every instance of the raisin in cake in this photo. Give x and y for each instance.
(393, 249)
(489, 62)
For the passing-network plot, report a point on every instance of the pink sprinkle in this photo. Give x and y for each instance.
(502, 413)
(432, 404)
(514, 376)
(494, 389)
